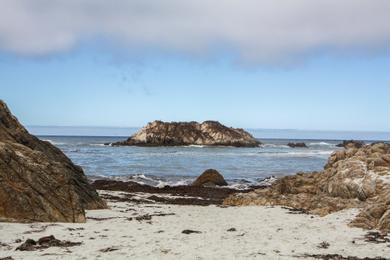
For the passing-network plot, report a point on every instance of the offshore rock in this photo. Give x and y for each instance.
(210, 133)
(351, 144)
(297, 145)
(37, 181)
(210, 177)
(356, 177)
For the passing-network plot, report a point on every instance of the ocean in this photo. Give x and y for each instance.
(159, 166)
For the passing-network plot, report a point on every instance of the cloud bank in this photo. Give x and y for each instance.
(259, 31)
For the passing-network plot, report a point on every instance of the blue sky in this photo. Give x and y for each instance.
(110, 80)
(91, 89)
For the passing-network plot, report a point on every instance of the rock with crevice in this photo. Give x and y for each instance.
(37, 181)
(352, 178)
(210, 133)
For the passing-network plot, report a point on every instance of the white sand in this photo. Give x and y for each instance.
(262, 233)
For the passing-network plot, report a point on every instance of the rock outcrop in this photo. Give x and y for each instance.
(37, 181)
(356, 177)
(351, 144)
(210, 178)
(297, 145)
(211, 133)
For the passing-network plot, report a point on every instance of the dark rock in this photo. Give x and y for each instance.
(340, 257)
(188, 231)
(37, 181)
(211, 133)
(144, 217)
(351, 144)
(297, 145)
(48, 240)
(324, 245)
(29, 245)
(209, 178)
(377, 237)
(108, 249)
(231, 230)
(45, 242)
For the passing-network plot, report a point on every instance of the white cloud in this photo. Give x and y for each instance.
(261, 31)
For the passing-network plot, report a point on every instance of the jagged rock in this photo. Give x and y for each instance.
(297, 145)
(376, 214)
(210, 177)
(351, 144)
(160, 133)
(351, 178)
(37, 181)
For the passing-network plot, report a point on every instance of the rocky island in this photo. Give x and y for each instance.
(210, 133)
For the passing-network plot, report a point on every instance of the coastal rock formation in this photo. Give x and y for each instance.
(356, 177)
(297, 145)
(351, 144)
(210, 177)
(37, 181)
(160, 133)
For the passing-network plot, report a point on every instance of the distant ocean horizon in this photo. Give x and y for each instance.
(259, 133)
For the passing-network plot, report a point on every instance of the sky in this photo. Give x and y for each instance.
(281, 64)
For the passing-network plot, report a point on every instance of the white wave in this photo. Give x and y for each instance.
(321, 144)
(162, 184)
(53, 142)
(238, 186)
(142, 177)
(195, 146)
(97, 144)
(267, 181)
(275, 145)
(299, 154)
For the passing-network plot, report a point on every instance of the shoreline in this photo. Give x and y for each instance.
(150, 230)
(171, 195)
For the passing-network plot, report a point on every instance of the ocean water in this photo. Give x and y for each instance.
(161, 166)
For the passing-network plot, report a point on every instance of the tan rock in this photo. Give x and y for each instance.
(351, 178)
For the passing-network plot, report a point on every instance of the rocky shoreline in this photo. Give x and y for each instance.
(352, 178)
(49, 209)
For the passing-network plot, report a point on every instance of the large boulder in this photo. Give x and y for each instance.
(351, 178)
(37, 181)
(211, 133)
(210, 177)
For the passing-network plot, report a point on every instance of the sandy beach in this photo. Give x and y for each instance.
(133, 230)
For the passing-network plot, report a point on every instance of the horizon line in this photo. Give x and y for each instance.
(247, 128)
